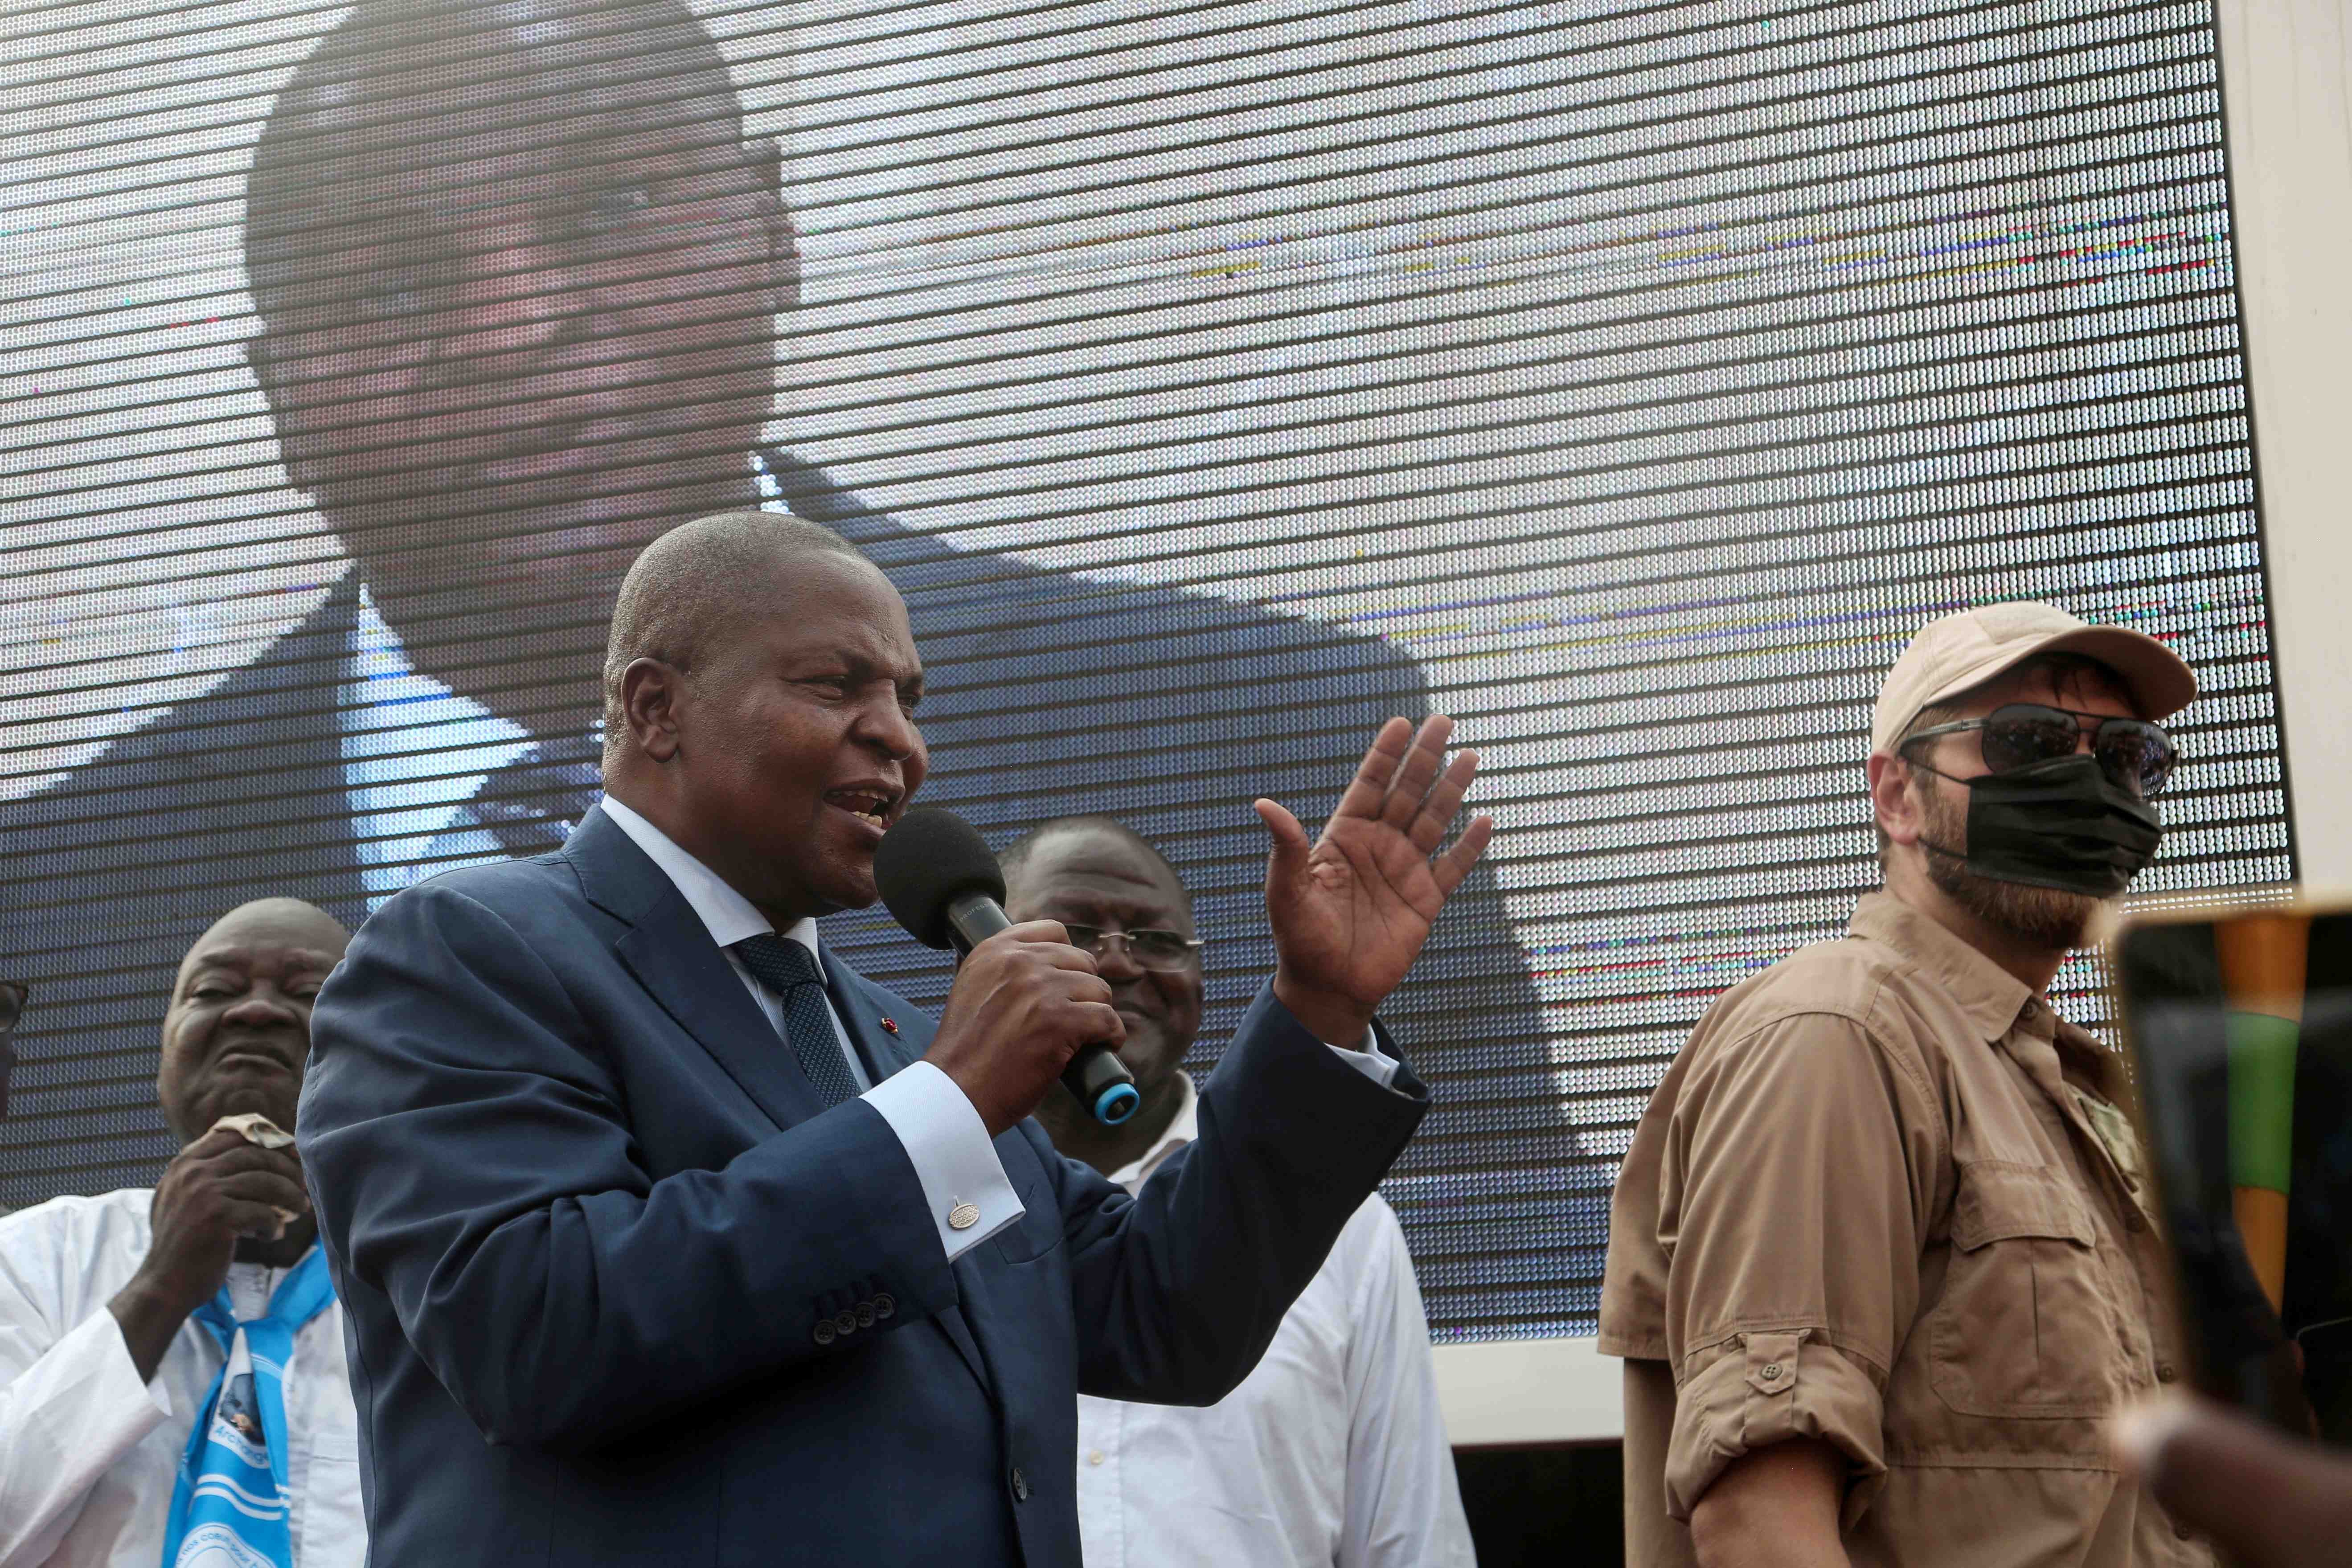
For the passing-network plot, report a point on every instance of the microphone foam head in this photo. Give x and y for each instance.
(928, 858)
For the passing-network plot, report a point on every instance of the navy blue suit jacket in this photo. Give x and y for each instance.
(596, 1236)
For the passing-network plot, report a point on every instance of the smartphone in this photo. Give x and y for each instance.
(2238, 1022)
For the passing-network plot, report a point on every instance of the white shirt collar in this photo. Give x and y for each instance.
(1182, 1130)
(727, 914)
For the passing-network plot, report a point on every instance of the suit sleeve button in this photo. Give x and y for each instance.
(1019, 1485)
(825, 1330)
(846, 1320)
(865, 1314)
(883, 1305)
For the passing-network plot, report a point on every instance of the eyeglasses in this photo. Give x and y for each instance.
(2134, 754)
(1162, 950)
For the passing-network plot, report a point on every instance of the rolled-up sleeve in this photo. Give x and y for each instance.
(1795, 1192)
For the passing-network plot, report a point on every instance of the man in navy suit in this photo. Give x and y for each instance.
(520, 276)
(666, 1237)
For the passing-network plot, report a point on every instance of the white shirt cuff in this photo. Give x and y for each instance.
(1371, 1062)
(954, 1156)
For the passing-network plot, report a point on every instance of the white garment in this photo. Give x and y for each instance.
(1331, 1454)
(946, 1142)
(87, 1453)
(405, 791)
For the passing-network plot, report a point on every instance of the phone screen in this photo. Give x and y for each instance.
(2241, 1030)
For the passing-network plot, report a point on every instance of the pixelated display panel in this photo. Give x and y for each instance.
(1215, 380)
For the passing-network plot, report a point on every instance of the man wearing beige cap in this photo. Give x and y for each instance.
(1880, 1260)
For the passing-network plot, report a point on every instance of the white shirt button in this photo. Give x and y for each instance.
(1096, 1458)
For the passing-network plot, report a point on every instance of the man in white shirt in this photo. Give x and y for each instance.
(1332, 1453)
(108, 1348)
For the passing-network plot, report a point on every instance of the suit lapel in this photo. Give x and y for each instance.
(669, 950)
(672, 956)
(870, 1014)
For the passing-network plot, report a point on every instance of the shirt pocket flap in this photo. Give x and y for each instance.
(1999, 1203)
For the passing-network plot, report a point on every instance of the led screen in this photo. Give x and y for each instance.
(1215, 380)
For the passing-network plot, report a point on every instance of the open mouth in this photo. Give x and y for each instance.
(874, 806)
(563, 446)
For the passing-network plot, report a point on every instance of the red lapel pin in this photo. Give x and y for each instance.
(889, 1026)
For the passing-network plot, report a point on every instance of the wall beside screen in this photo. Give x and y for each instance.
(2288, 94)
(1629, 381)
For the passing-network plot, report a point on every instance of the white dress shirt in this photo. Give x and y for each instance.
(89, 1453)
(1331, 1454)
(945, 1140)
(403, 795)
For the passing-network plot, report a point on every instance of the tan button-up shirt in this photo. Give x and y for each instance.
(1883, 1199)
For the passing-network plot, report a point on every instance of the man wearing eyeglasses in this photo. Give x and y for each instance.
(1881, 1258)
(1332, 1453)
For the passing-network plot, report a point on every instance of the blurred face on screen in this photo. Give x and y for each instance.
(519, 320)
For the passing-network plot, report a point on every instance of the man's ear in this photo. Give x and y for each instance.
(1892, 800)
(651, 694)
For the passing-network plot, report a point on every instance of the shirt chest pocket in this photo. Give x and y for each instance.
(2024, 1327)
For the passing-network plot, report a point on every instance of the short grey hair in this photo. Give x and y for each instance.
(1016, 858)
(692, 585)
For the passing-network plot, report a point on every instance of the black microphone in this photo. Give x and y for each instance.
(940, 882)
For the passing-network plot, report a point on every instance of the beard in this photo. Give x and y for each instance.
(2048, 918)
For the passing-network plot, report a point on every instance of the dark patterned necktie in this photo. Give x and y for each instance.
(790, 970)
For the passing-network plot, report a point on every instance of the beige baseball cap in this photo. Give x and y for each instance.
(1963, 651)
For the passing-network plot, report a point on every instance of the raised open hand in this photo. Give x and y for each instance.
(1350, 912)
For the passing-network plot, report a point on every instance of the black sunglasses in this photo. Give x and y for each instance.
(2134, 754)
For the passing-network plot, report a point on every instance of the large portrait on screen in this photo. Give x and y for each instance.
(1213, 380)
(520, 276)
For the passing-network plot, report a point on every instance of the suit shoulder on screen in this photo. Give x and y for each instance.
(1241, 624)
(976, 605)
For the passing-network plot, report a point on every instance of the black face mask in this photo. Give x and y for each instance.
(2059, 824)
